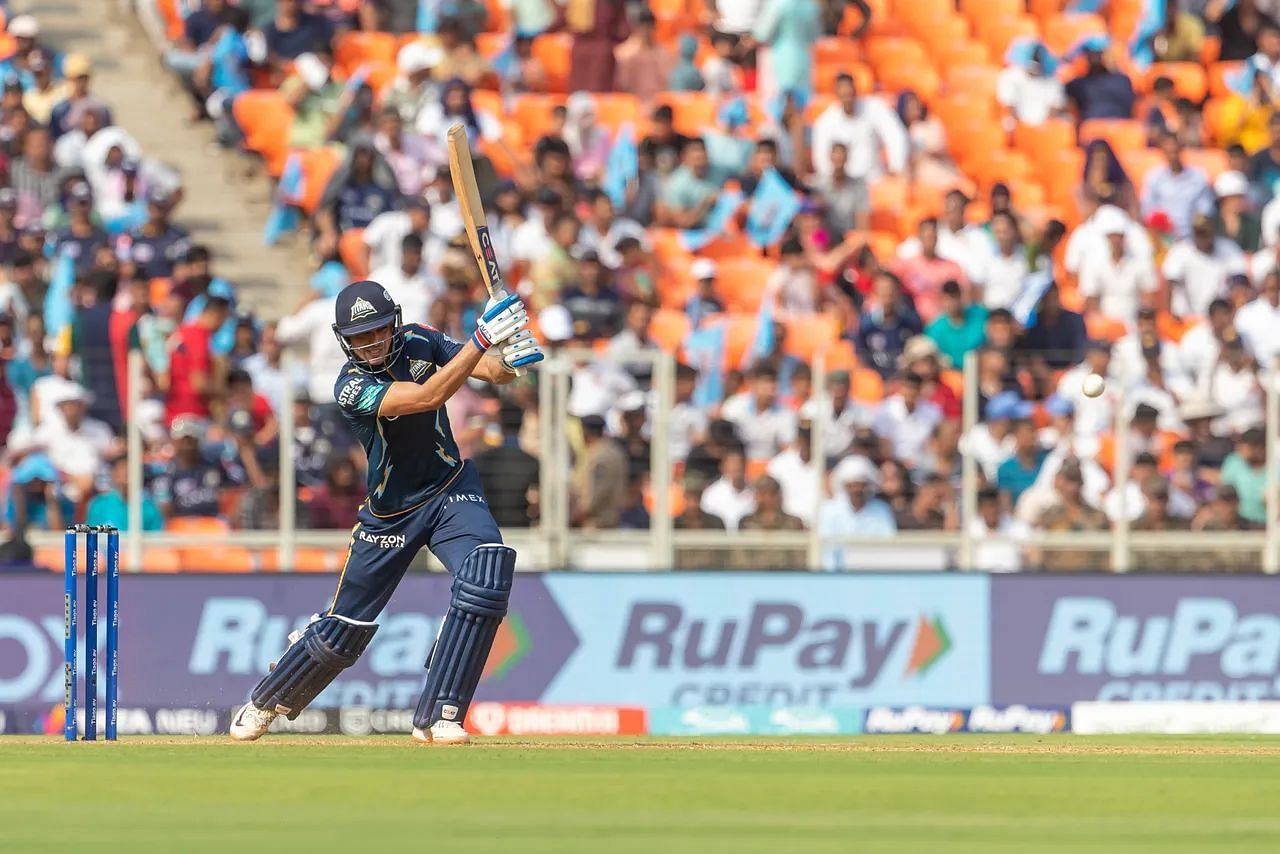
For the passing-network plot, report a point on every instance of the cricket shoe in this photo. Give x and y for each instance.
(251, 723)
(442, 732)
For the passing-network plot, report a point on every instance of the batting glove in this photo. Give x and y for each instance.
(501, 319)
(521, 350)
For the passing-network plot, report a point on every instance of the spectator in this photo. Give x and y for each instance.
(1007, 267)
(1057, 337)
(1222, 513)
(847, 199)
(886, 323)
(1244, 470)
(1181, 192)
(461, 61)
(720, 73)
(1197, 269)
(904, 421)
(599, 478)
(509, 475)
(1162, 112)
(1233, 219)
(1017, 474)
(1101, 92)
(730, 497)
(1142, 356)
(1116, 282)
(1104, 181)
(361, 189)
(414, 91)
(644, 64)
(793, 285)
(689, 193)
(34, 499)
(1030, 92)
(852, 511)
(333, 504)
(604, 231)
(267, 371)
(75, 443)
(34, 175)
(45, 92)
(923, 275)
(383, 237)
(693, 518)
(556, 271)
(589, 141)
(295, 32)
(705, 302)
(1181, 37)
(1086, 239)
(84, 121)
(793, 471)
(1094, 415)
(635, 335)
(157, 245)
(1264, 172)
(185, 54)
(763, 423)
(932, 507)
(927, 140)
(531, 17)
(80, 239)
(321, 105)
(997, 534)
(193, 381)
(192, 485)
(1233, 386)
(408, 154)
(259, 507)
(1259, 321)
(785, 32)
(111, 507)
(1069, 512)
(866, 127)
(597, 27)
(592, 302)
(249, 413)
(685, 76)
(408, 284)
(1199, 347)
(769, 515)
(688, 422)
(959, 326)
(921, 358)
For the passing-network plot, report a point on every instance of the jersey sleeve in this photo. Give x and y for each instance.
(358, 394)
(442, 347)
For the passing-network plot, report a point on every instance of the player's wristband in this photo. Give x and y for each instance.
(481, 340)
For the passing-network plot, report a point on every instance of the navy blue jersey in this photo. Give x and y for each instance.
(411, 457)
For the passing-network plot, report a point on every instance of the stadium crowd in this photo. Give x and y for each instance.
(754, 185)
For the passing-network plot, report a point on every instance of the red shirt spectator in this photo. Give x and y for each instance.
(191, 362)
(924, 275)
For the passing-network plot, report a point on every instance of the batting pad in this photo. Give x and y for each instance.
(481, 590)
(328, 646)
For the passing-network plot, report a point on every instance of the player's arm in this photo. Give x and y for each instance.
(406, 398)
(492, 369)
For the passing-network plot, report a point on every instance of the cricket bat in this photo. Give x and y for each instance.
(473, 218)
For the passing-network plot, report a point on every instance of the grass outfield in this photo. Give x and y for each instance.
(958, 793)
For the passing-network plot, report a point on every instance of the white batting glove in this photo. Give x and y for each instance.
(501, 319)
(521, 350)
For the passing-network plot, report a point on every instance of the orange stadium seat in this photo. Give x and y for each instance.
(840, 356)
(730, 246)
(156, 559)
(265, 117)
(836, 49)
(1045, 8)
(205, 525)
(669, 328)
(1001, 166)
(491, 44)
(740, 282)
(918, 77)
(351, 251)
(355, 48)
(304, 560)
(806, 337)
(318, 166)
(974, 142)
(499, 17)
(533, 113)
(1189, 79)
(825, 74)
(976, 10)
(1212, 161)
(1137, 162)
(889, 196)
(675, 286)
(959, 109)
(1120, 134)
(217, 559)
(669, 246)
(866, 385)
(998, 31)
(1063, 31)
(694, 112)
(740, 335)
(957, 53)
(158, 290)
(921, 14)
(1221, 74)
(893, 52)
(1038, 140)
(973, 81)
(173, 22)
(618, 108)
(1062, 171)
(554, 51)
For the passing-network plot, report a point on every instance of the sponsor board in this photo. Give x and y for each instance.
(1175, 718)
(489, 718)
(1016, 718)
(1056, 641)
(754, 720)
(913, 719)
(745, 640)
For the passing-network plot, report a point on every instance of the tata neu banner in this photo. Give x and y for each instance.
(738, 639)
(1058, 640)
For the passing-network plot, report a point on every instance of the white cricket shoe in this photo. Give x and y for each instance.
(251, 723)
(442, 732)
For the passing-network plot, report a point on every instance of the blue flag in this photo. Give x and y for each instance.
(704, 347)
(765, 339)
(58, 308)
(1142, 46)
(773, 205)
(428, 15)
(283, 216)
(1034, 286)
(622, 167)
(727, 205)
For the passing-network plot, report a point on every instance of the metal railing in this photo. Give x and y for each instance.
(553, 543)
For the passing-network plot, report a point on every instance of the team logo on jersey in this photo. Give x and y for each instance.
(361, 309)
(418, 368)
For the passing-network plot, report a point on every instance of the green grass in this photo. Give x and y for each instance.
(957, 793)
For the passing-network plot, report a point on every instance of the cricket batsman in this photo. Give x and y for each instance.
(393, 390)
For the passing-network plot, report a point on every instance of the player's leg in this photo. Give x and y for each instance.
(466, 540)
(379, 555)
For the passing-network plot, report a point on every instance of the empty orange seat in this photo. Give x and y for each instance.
(161, 560)
(887, 51)
(976, 10)
(693, 112)
(616, 109)
(997, 32)
(919, 77)
(1038, 140)
(1001, 167)
(866, 385)
(976, 82)
(304, 560)
(217, 559)
(553, 50)
(265, 118)
(1062, 170)
(889, 198)
(669, 246)
(740, 335)
(975, 142)
(318, 166)
(740, 282)
(730, 246)
(1120, 134)
(808, 336)
(1045, 8)
(669, 328)
(921, 13)
(1062, 31)
(835, 49)
(840, 356)
(1212, 161)
(1189, 79)
(209, 525)
(490, 45)
(356, 47)
(351, 251)
(1137, 162)
(533, 113)
(959, 52)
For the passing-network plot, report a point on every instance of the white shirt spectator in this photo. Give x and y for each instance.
(1032, 99)
(971, 247)
(530, 241)
(1262, 262)
(1042, 494)
(313, 323)
(1130, 366)
(414, 294)
(1238, 394)
(730, 504)
(801, 485)
(13, 302)
(1002, 279)
(737, 16)
(1200, 277)
(908, 431)
(838, 428)
(1117, 284)
(1270, 224)
(763, 432)
(872, 127)
(994, 555)
(839, 518)
(385, 234)
(606, 244)
(986, 449)
(272, 382)
(1087, 239)
(596, 387)
(1094, 415)
(1198, 351)
(688, 425)
(1258, 323)
(75, 452)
